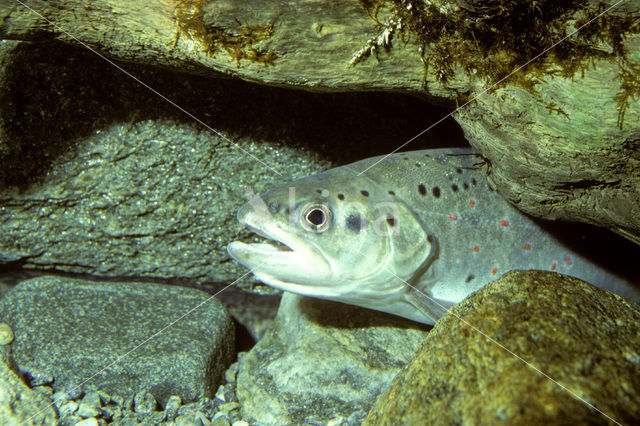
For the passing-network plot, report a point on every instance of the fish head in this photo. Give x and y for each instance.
(334, 236)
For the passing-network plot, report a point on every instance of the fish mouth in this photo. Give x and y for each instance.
(284, 260)
(270, 244)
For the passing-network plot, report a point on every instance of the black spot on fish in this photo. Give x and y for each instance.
(341, 197)
(365, 193)
(391, 220)
(454, 188)
(465, 185)
(470, 278)
(319, 191)
(474, 181)
(274, 207)
(392, 193)
(405, 158)
(428, 155)
(436, 192)
(458, 170)
(422, 190)
(418, 165)
(354, 222)
(289, 211)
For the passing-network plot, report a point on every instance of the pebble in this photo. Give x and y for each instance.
(186, 420)
(172, 406)
(92, 399)
(6, 334)
(68, 408)
(231, 374)
(88, 422)
(144, 403)
(44, 390)
(220, 420)
(86, 410)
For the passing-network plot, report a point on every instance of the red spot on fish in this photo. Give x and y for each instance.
(476, 248)
(453, 216)
(494, 271)
(472, 203)
(504, 222)
(553, 266)
(527, 246)
(568, 260)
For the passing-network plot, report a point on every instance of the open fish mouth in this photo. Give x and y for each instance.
(270, 243)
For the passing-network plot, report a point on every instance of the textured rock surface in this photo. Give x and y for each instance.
(103, 177)
(579, 167)
(19, 405)
(68, 331)
(586, 339)
(323, 361)
(313, 41)
(559, 147)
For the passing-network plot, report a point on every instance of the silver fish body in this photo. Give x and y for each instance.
(410, 234)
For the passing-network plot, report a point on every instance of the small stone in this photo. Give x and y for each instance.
(219, 415)
(188, 409)
(118, 400)
(44, 390)
(104, 398)
(68, 408)
(144, 403)
(240, 423)
(220, 420)
(220, 394)
(228, 407)
(172, 406)
(88, 422)
(231, 373)
(6, 334)
(111, 412)
(74, 392)
(202, 419)
(186, 420)
(92, 399)
(60, 398)
(70, 420)
(86, 410)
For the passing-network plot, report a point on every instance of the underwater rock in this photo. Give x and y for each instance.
(585, 339)
(302, 44)
(20, 405)
(580, 164)
(98, 176)
(556, 116)
(322, 361)
(72, 333)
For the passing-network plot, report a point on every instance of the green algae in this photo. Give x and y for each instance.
(511, 42)
(238, 45)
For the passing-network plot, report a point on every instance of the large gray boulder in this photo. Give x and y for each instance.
(121, 338)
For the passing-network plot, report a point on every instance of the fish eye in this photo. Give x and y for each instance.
(316, 217)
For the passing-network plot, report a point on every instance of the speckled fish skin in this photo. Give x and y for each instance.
(427, 218)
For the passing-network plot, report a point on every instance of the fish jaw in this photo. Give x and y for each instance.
(285, 260)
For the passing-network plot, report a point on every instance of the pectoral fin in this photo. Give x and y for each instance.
(429, 306)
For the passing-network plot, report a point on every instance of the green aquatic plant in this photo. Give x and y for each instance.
(496, 40)
(239, 45)
(629, 77)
